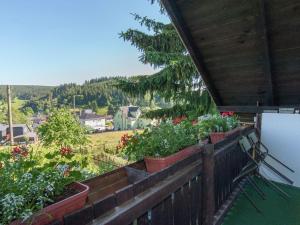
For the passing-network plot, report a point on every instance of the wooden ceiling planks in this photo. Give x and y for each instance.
(250, 49)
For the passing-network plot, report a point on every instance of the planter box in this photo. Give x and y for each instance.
(155, 164)
(57, 210)
(108, 183)
(216, 137)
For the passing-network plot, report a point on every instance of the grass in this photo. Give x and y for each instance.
(108, 140)
(276, 210)
(103, 147)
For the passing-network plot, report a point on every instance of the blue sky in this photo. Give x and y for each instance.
(50, 42)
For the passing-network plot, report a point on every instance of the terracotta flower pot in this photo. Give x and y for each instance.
(215, 137)
(155, 164)
(57, 210)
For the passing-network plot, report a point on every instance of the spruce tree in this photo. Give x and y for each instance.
(177, 79)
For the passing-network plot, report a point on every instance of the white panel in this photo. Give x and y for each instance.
(281, 134)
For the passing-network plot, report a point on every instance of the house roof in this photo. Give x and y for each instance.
(90, 116)
(247, 52)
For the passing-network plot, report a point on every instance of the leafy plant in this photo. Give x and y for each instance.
(160, 141)
(62, 129)
(106, 166)
(27, 185)
(216, 123)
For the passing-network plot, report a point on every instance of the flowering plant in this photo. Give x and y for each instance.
(216, 123)
(27, 186)
(159, 141)
(178, 119)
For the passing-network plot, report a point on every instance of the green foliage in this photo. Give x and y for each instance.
(106, 166)
(62, 129)
(160, 141)
(26, 92)
(216, 123)
(97, 94)
(27, 185)
(177, 80)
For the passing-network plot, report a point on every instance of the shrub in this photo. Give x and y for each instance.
(159, 141)
(27, 186)
(62, 129)
(216, 123)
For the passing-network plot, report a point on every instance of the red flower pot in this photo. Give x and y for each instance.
(155, 164)
(57, 210)
(215, 137)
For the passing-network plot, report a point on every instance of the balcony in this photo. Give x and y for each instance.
(196, 190)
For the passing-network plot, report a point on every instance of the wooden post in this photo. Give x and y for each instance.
(11, 132)
(208, 192)
(74, 102)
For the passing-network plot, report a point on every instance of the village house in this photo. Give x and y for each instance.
(21, 132)
(129, 117)
(92, 120)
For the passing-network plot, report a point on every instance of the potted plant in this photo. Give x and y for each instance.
(217, 127)
(163, 145)
(35, 193)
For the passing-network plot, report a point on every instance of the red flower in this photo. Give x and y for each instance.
(178, 119)
(65, 151)
(19, 151)
(125, 138)
(227, 113)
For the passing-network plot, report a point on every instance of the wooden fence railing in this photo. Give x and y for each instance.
(229, 161)
(188, 193)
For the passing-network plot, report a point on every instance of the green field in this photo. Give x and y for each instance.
(102, 148)
(109, 139)
(104, 145)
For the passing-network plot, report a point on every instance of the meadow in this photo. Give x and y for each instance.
(102, 147)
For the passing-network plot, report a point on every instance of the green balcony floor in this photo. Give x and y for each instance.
(275, 209)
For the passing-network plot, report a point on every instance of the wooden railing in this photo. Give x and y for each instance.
(229, 161)
(188, 193)
(173, 199)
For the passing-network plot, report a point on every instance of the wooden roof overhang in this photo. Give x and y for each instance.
(247, 51)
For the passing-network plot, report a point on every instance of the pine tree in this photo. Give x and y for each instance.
(177, 79)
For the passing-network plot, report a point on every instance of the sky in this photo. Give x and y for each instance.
(50, 42)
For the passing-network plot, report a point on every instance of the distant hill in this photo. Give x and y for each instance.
(27, 92)
(100, 94)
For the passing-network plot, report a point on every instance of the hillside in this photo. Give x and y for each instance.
(99, 94)
(26, 92)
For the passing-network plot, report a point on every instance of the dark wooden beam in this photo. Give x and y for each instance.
(187, 39)
(270, 99)
(254, 109)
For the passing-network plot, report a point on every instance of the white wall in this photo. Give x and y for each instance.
(281, 134)
(96, 124)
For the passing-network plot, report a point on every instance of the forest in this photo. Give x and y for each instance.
(100, 94)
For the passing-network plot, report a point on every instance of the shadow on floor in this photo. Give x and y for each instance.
(276, 210)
